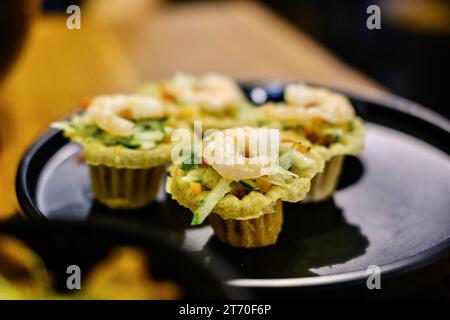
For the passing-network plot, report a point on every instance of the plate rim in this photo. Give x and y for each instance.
(384, 99)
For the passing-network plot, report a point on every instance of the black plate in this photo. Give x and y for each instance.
(61, 244)
(392, 208)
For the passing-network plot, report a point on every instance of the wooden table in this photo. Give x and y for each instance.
(58, 67)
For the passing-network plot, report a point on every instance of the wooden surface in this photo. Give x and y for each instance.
(58, 67)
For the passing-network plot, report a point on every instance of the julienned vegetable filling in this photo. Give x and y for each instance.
(323, 134)
(215, 99)
(202, 177)
(146, 134)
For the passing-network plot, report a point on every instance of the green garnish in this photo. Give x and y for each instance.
(249, 185)
(207, 205)
(210, 178)
(146, 133)
(85, 129)
(129, 142)
(155, 125)
(191, 161)
(187, 166)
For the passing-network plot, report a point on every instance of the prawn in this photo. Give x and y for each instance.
(242, 153)
(113, 113)
(212, 92)
(304, 103)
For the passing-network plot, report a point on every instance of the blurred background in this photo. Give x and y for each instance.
(47, 68)
(409, 55)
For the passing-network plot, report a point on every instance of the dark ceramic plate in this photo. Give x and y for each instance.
(61, 244)
(392, 207)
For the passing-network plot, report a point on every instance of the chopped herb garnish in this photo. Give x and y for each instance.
(151, 124)
(248, 185)
(191, 161)
(129, 142)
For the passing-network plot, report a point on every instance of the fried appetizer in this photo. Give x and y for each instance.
(240, 181)
(126, 142)
(326, 119)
